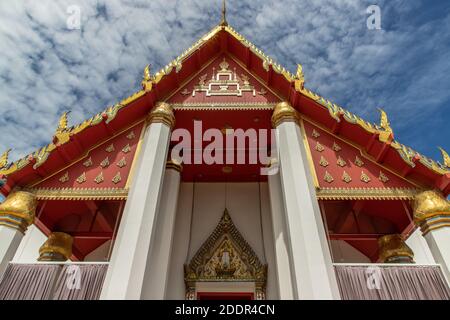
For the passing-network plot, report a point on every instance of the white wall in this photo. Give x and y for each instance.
(28, 251)
(342, 252)
(243, 203)
(418, 244)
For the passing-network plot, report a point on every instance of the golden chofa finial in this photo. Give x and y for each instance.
(299, 78)
(386, 126)
(62, 124)
(4, 159)
(224, 22)
(147, 79)
(62, 133)
(445, 157)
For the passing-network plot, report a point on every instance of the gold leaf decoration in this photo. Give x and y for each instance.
(346, 177)
(383, 177)
(319, 147)
(323, 162)
(122, 163)
(82, 179)
(105, 163)
(328, 177)
(88, 162)
(64, 178)
(315, 134)
(110, 148)
(99, 179)
(185, 92)
(4, 159)
(117, 178)
(359, 162)
(341, 162)
(336, 147)
(364, 177)
(131, 135)
(126, 149)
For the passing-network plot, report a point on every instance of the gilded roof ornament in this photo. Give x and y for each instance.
(147, 79)
(299, 78)
(386, 126)
(224, 22)
(445, 157)
(4, 159)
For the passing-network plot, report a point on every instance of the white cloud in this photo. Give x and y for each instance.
(46, 69)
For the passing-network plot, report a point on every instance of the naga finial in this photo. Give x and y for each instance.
(4, 159)
(385, 125)
(446, 157)
(299, 78)
(62, 124)
(147, 79)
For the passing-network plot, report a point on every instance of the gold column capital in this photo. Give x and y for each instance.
(58, 247)
(431, 211)
(393, 249)
(284, 112)
(162, 113)
(175, 165)
(18, 210)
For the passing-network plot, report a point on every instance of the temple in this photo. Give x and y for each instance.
(224, 177)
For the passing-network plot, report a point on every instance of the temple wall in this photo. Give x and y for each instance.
(28, 251)
(342, 252)
(418, 244)
(202, 215)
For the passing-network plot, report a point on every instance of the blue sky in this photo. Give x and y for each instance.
(46, 69)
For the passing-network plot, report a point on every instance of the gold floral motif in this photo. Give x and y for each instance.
(359, 162)
(122, 163)
(336, 147)
(341, 162)
(366, 193)
(99, 179)
(64, 178)
(319, 147)
(110, 148)
(185, 92)
(126, 149)
(262, 92)
(4, 159)
(346, 177)
(315, 134)
(323, 162)
(88, 162)
(364, 177)
(117, 178)
(82, 179)
(105, 162)
(131, 135)
(383, 177)
(328, 177)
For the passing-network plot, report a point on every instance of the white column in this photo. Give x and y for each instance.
(158, 269)
(314, 276)
(432, 214)
(16, 214)
(280, 239)
(418, 244)
(125, 276)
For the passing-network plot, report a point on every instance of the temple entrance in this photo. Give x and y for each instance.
(225, 267)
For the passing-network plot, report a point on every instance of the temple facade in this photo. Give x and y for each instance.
(224, 177)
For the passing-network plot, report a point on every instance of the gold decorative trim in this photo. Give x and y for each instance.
(171, 164)
(126, 149)
(122, 163)
(328, 177)
(315, 134)
(99, 179)
(105, 162)
(110, 148)
(64, 178)
(80, 193)
(117, 178)
(383, 178)
(319, 147)
(18, 210)
(131, 135)
(393, 249)
(364, 177)
(224, 106)
(58, 247)
(359, 162)
(284, 112)
(346, 177)
(336, 147)
(162, 113)
(366, 193)
(308, 154)
(323, 162)
(88, 162)
(82, 178)
(341, 162)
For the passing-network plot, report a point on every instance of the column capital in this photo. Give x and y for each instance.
(431, 211)
(393, 249)
(162, 113)
(58, 247)
(284, 112)
(175, 165)
(18, 210)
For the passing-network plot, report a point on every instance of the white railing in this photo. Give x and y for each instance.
(387, 281)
